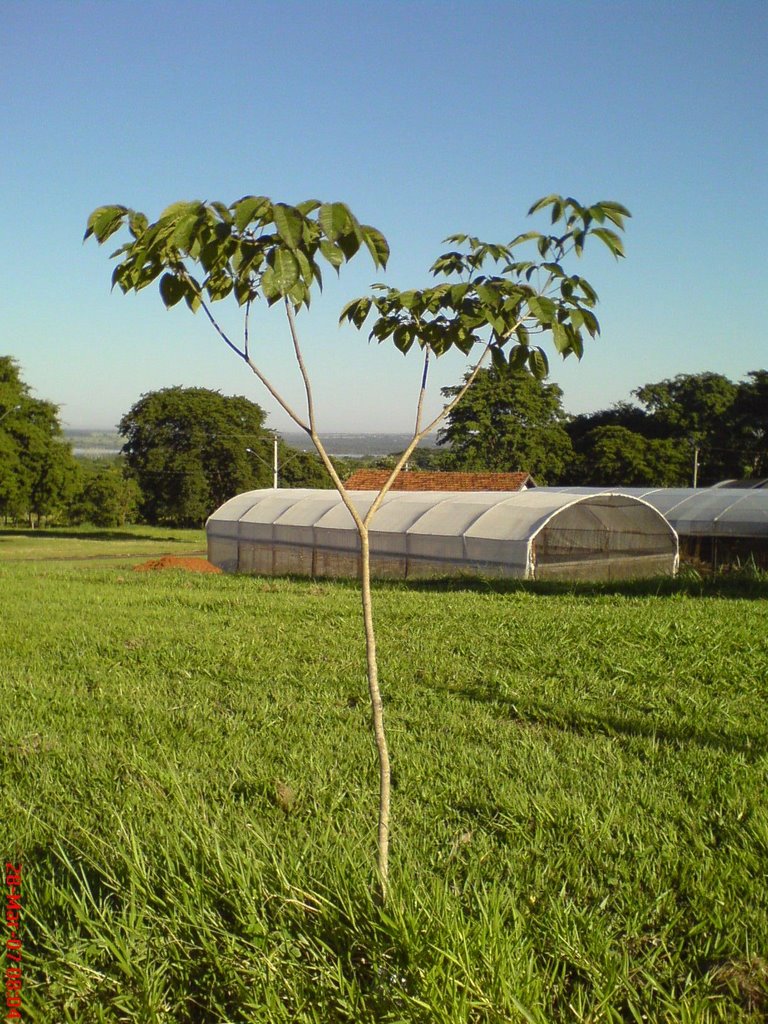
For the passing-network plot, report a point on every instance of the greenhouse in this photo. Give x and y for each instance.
(715, 524)
(536, 533)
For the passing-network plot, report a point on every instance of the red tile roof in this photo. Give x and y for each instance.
(415, 480)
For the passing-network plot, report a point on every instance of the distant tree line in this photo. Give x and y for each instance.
(186, 450)
(702, 423)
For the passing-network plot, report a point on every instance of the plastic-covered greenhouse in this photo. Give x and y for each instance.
(717, 524)
(530, 534)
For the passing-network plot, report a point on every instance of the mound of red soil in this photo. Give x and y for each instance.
(177, 562)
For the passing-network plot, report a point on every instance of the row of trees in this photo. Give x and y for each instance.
(187, 450)
(701, 425)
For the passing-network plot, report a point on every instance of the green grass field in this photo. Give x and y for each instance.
(580, 823)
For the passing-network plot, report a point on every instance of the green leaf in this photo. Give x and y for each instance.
(176, 210)
(611, 239)
(251, 208)
(105, 222)
(184, 231)
(218, 286)
(614, 207)
(576, 317)
(560, 337)
(356, 311)
(577, 344)
(377, 245)
(449, 263)
(403, 338)
(244, 290)
(488, 295)
(305, 268)
(527, 236)
(518, 357)
(192, 294)
(545, 201)
(171, 290)
(223, 211)
(537, 361)
(542, 308)
(308, 206)
(332, 253)
(335, 220)
(288, 222)
(498, 358)
(286, 270)
(590, 322)
(299, 295)
(120, 277)
(270, 287)
(349, 244)
(137, 223)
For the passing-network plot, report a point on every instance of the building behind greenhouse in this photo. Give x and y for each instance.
(529, 534)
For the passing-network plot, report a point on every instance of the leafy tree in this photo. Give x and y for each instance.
(188, 450)
(696, 409)
(38, 473)
(301, 469)
(750, 421)
(495, 301)
(622, 414)
(507, 421)
(622, 457)
(106, 497)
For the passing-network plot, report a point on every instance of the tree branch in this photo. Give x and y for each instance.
(302, 367)
(422, 391)
(245, 328)
(221, 333)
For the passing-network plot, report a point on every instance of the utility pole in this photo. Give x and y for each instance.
(695, 464)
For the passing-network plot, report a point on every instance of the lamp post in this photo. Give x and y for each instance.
(275, 466)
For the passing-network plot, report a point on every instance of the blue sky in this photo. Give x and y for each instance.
(427, 118)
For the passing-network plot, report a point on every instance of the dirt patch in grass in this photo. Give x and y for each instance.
(747, 980)
(187, 564)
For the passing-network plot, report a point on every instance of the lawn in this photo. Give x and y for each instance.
(580, 825)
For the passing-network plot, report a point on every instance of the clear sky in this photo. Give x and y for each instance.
(427, 118)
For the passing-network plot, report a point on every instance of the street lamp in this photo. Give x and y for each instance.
(274, 459)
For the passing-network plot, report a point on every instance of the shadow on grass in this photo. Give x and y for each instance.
(633, 725)
(737, 585)
(106, 534)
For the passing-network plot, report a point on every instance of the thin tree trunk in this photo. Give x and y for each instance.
(377, 713)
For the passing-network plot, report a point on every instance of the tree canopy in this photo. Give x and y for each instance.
(38, 474)
(188, 450)
(697, 417)
(508, 421)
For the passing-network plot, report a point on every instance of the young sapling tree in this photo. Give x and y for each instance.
(493, 303)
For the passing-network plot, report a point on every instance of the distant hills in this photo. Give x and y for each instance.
(95, 443)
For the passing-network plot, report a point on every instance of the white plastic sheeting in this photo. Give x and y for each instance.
(534, 533)
(703, 511)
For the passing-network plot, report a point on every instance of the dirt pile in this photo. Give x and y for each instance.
(187, 564)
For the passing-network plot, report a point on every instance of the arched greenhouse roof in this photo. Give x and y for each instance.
(701, 511)
(529, 533)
